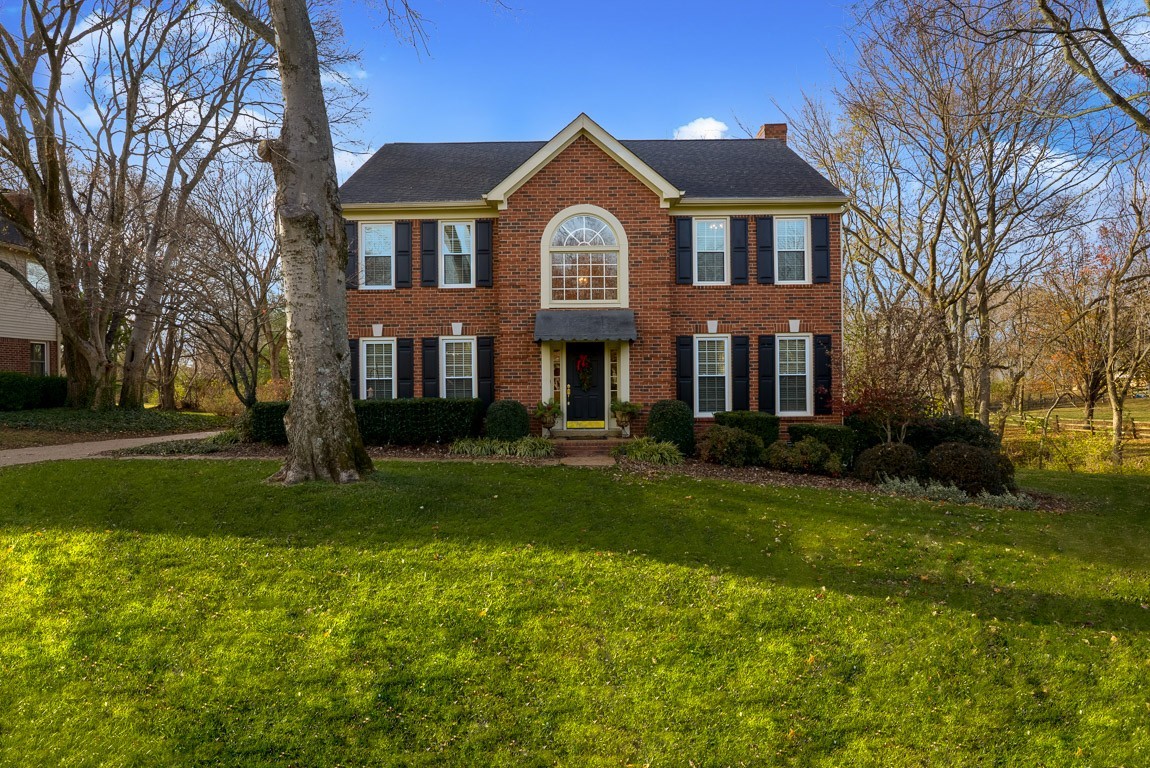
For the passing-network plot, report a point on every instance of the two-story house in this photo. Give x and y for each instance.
(29, 338)
(589, 269)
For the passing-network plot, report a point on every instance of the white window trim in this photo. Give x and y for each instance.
(809, 338)
(726, 250)
(443, 363)
(545, 300)
(390, 341)
(806, 241)
(443, 254)
(363, 263)
(726, 338)
(46, 370)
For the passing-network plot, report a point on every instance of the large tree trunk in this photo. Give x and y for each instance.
(983, 356)
(324, 440)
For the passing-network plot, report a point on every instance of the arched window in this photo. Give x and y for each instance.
(584, 260)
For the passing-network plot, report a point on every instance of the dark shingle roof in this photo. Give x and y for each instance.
(431, 173)
(9, 235)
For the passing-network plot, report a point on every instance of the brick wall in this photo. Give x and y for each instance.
(16, 355)
(584, 174)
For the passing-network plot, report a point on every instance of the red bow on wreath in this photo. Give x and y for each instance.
(583, 368)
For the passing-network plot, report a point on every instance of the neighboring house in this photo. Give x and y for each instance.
(588, 269)
(29, 342)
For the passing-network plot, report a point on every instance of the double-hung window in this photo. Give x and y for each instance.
(711, 251)
(794, 373)
(377, 255)
(792, 249)
(378, 366)
(38, 356)
(458, 367)
(457, 246)
(712, 374)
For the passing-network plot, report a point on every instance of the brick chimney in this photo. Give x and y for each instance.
(773, 131)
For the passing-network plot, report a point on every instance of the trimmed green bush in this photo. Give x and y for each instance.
(889, 460)
(671, 421)
(648, 451)
(507, 420)
(763, 425)
(387, 422)
(970, 468)
(730, 447)
(837, 438)
(22, 392)
(926, 434)
(807, 456)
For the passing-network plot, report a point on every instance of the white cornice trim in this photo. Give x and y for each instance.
(584, 126)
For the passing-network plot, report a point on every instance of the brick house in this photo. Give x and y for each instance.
(588, 269)
(29, 338)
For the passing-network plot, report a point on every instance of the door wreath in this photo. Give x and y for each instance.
(583, 368)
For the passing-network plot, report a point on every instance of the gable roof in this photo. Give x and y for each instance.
(694, 169)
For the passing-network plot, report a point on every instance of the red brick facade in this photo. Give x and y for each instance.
(583, 174)
(16, 355)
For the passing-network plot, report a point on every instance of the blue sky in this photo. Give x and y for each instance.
(640, 69)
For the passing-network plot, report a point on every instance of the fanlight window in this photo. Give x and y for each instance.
(584, 260)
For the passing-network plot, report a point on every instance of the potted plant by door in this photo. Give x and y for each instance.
(624, 412)
(548, 413)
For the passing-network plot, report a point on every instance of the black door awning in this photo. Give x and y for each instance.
(585, 325)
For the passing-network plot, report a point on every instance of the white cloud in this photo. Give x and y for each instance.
(702, 128)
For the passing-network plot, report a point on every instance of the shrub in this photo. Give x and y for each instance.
(524, 447)
(925, 434)
(22, 392)
(968, 467)
(763, 425)
(387, 422)
(808, 456)
(671, 421)
(507, 420)
(730, 447)
(648, 451)
(889, 460)
(839, 439)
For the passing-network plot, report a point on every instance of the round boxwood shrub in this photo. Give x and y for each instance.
(926, 434)
(967, 467)
(673, 422)
(888, 461)
(507, 420)
(730, 447)
(807, 456)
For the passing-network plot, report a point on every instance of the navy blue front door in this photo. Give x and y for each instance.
(586, 404)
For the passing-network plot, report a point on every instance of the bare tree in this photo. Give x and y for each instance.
(960, 179)
(112, 111)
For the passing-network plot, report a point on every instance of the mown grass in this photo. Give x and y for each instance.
(186, 613)
(53, 426)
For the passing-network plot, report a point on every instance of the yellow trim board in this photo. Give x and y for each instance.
(587, 424)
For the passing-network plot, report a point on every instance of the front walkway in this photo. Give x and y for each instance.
(16, 456)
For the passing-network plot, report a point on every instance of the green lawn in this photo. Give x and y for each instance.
(186, 613)
(51, 426)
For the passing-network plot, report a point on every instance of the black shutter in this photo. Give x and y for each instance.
(431, 367)
(352, 230)
(405, 367)
(483, 253)
(685, 370)
(429, 253)
(684, 250)
(485, 362)
(767, 374)
(740, 373)
(765, 234)
(824, 375)
(353, 371)
(403, 254)
(738, 251)
(821, 249)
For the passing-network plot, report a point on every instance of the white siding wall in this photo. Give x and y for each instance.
(20, 316)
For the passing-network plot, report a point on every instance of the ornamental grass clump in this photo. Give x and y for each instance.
(647, 450)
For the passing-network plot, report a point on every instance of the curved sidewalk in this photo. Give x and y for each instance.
(15, 456)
